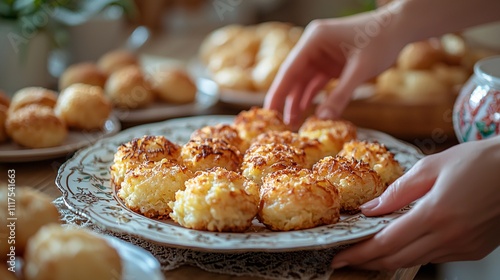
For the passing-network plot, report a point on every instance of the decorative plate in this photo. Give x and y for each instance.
(84, 182)
(11, 152)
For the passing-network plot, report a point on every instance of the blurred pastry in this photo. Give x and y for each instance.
(36, 126)
(251, 123)
(83, 106)
(377, 156)
(115, 60)
(217, 39)
(173, 85)
(293, 199)
(264, 72)
(454, 48)
(216, 200)
(139, 150)
(33, 95)
(128, 89)
(420, 55)
(33, 210)
(148, 188)
(263, 159)
(235, 78)
(452, 75)
(224, 132)
(332, 134)
(311, 147)
(61, 253)
(85, 73)
(356, 182)
(4, 99)
(3, 118)
(204, 154)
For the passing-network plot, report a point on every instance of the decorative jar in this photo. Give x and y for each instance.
(476, 114)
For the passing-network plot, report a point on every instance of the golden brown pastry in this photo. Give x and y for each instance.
(115, 60)
(356, 182)
(216, 200)
(4, 99)
(217, 39)
(332, 134)
(85, 73)
(128, 89)
(36, 126)
(420, 55)
(204, 154)
(293, 199)
(311, 147)
(224, 132)
(253, 122)
(263, 159)
(235, 78)
(33, 210)
(173, 85)
(377, 156)
(139, 150)
(264, 72)
(62, 253)
(3, 118)
(33, 96)
(148, 188)
(83, 106)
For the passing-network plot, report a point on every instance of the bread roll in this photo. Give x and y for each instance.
(128, 89)
(33, 95)
(173, 85)
(83, 106)
(235, 78)
(420, 55)
(85, 73)
(115, 60)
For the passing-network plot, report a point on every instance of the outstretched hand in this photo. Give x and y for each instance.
(457, 217)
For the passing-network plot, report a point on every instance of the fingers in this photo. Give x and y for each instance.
(409, 187)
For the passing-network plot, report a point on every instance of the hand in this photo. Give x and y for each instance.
(457, 217)
(353, 49)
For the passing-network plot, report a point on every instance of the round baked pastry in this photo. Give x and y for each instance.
(83, 106)
(421, 55)
(36, 126)
(253, 122)
(293, 199)
(216, 200)
(148, 188)
(115, 60)
(332, 134)
(203, 154)
(173, 85)
(33, 210)
(377, 156)
(61, 253)
(84, 73)
(3, 118)
(224, 132)
(4, 99)
(218, 39)
(139, 150)
(263, 159)
(264, 72)
(235, 78)
(128, 89)
(356, 182)
(33, 96)
(311, 147)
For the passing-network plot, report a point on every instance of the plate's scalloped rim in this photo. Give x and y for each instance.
(378, 223)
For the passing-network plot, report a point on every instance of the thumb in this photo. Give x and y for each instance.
(412, 185)
(336, 101)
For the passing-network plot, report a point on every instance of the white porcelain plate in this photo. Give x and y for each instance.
(11, 152)
(84, 182)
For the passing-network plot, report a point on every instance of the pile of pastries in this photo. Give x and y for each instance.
(49, 250)
(248, 57)
(227, 175)
(130, 86)
(37, 117)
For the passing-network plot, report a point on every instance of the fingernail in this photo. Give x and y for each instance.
(370, 204)
(337, 265)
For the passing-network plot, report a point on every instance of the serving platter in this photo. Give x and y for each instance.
(84, 181)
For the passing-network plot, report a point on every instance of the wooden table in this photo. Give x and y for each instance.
(41, 176)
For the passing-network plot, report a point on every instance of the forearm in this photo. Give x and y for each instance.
(421, 19)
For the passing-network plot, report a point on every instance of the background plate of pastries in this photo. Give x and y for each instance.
(39, 123)
(143, 88)
(216, 183)
(47, 249)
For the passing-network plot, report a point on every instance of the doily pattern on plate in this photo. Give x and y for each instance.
(84, 182)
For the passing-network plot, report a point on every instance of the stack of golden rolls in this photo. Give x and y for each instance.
(37, 117)
(37, 246)
(248, 57)
(129, 85)
(228, 175)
